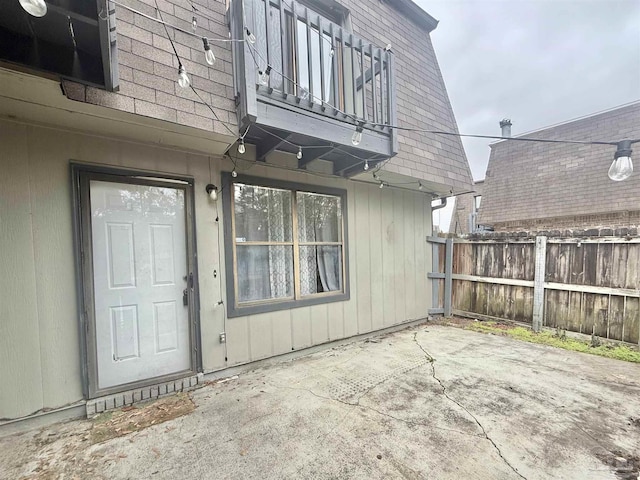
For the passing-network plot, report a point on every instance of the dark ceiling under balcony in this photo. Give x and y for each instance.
(66, 42)
(347, 160)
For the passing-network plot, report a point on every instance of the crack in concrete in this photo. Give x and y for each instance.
(453, 400)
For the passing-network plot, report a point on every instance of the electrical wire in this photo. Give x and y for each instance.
(182, 30)
(358, 121)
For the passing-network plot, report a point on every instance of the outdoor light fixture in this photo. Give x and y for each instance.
(357, 135)
(212, 191)
(183, 78)
(622, 166)
(37, 8)
(208, 54)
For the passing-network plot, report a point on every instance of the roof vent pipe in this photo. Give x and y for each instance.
(505, 125)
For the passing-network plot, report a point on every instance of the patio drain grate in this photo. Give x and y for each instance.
(348, 388)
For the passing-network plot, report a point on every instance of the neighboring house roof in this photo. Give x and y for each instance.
(464, 206)
(529, 180)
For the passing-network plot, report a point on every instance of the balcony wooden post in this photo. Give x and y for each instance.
(364, 85)
(373, 84)
(309, 56)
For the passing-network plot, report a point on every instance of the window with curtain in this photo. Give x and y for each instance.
(288, 245)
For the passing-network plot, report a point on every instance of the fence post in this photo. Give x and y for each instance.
(448, 281)
(538, 284)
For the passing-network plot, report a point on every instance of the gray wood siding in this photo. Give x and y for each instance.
(39, 341)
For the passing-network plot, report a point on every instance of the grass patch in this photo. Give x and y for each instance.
(559, 340)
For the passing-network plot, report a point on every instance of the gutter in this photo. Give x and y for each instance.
(414, 12)
(443, 203)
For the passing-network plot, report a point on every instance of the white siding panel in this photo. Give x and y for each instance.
(335, 314)
(20, 363)
(260, 336)
(398, 250)
(388, 261)
(376, 282)
(360, 247)
(301, 327)
(388, 257)
(319, 325)
(410, 262)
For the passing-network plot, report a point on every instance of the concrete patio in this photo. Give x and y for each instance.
(426, 402)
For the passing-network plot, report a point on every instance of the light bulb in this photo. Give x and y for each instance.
(183, 78)
(263, 78)
(37, 8)
(420, 186)
(621, 169)
(250, 36)
(234, 174)
(194, 24)
(357, 137)
(366, 165)
(299, 155)
(332, 52)
(241, 148)
(208, 53)
(381, 185)
(212, 190)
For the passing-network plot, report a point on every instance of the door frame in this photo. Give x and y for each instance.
(81, 175)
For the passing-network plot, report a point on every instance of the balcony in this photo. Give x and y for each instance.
(307, 82)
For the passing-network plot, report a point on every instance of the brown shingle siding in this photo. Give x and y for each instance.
(148, 68)
(534, 182)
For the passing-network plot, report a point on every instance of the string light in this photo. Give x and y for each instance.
(299, 155)
(621, 163)
(183, 78)
(366, 165)
(37, 8)
(264, 76)
(234, 174)
(356, 138)
(209, 57)
(381, 185)
(250, 36)
(194, 24)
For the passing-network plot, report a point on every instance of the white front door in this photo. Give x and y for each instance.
(140, 277)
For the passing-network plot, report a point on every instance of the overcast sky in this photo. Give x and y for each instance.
(537, 62)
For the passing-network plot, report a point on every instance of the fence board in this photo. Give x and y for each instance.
(591, 285)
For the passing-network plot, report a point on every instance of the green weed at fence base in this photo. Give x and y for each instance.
(618, 352)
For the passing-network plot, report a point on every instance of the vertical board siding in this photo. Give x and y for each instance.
(612, 264)
(39, 340)
(20, 357)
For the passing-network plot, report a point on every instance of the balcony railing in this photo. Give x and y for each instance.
(315, 65)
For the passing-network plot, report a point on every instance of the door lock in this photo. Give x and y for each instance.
(185, 297)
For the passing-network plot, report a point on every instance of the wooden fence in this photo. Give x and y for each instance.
(587, 285)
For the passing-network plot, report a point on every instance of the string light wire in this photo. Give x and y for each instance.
(358, 121)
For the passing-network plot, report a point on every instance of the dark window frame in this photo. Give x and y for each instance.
(274, 305)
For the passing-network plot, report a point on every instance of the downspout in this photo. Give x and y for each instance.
(443, 203)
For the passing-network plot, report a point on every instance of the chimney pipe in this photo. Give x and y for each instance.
(505, 125)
